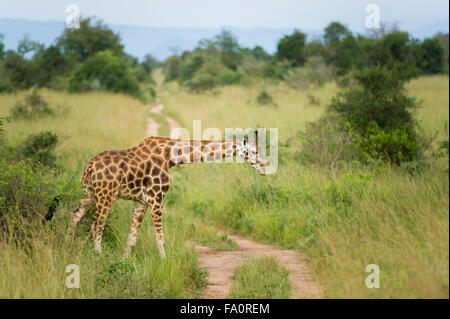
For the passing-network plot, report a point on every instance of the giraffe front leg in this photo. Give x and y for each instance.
(157, 225)
(136, 220)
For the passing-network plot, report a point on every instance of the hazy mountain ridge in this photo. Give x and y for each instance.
(140, 40)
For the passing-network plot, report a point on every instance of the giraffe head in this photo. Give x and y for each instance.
(250, 153)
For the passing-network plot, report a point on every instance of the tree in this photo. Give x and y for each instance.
(377, 107)
(49, 63)
(106, 71)
(393, 50)
(172, 67)
(149, 63)
(2, 46)
(443, 39)
(26, 45)
(260, 54)
(90, 38)
(344, 54)
(228, 48)
(335, 31)
(190, 67)
(430, 56)
(377, 96)
(18, 70)
(291, 48)
(314, 48)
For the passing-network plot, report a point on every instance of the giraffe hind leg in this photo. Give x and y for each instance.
(157, 225)
(85, 204)
(103, 205)
(136, 220)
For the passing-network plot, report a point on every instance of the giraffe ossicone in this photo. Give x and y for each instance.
(141, 174)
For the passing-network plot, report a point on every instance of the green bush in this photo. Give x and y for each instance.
(230, 77)
(110, 73)
(264, 98)
(370, 121)
(414, 167)
(172, 68)
(313, 100)
(376, 96)
(291, 48)
(328, 142)
(314, 73)
(39, 148)
(27, 186)
(378, 109)
(396, 145)
(24, 192)
(6, 85)
(33, 106)
(190, 68)
(201, 82)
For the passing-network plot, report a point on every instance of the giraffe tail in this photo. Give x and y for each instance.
(54, 204)
(52, 209)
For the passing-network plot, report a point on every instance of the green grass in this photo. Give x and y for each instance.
(260, 278)
(342, 221)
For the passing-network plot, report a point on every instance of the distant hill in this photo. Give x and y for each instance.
(140, 40)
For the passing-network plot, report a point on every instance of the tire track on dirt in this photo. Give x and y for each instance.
(153, 126)
(222, 264)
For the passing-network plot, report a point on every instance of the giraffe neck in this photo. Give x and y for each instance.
(193, 151)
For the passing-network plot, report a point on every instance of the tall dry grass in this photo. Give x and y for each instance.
(345, 220)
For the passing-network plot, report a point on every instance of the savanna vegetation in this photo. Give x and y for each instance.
(362, 175)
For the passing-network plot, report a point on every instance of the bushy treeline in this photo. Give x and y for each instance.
(222, 61)
(91, 57)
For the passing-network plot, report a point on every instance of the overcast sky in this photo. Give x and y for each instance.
(309, 14)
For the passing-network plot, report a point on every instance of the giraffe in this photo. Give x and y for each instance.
(141, 174)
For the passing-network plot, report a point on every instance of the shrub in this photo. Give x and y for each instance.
(23, 191)
(92, 37)
(395, 145)
(314, 73)
(291, 48)
(328, 142)
(378, 109)
(264, 98)
(414, 167)
(172, 68)
(190, 68)
(230, 78)
(313, 100)
(33, 106)
(111, 73)
(40, 148)
(152, 93)
(376, 96)
(6, 85)
(201, 82)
